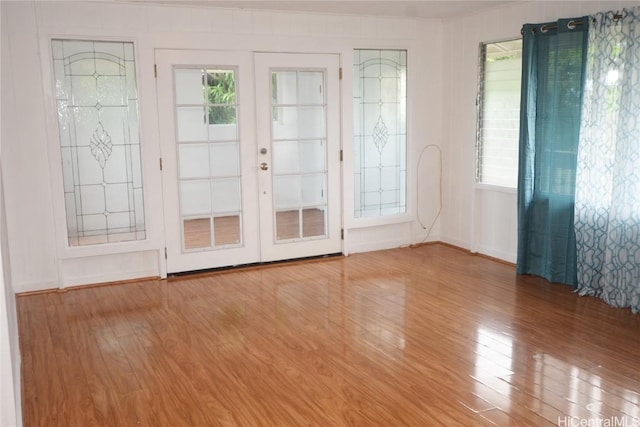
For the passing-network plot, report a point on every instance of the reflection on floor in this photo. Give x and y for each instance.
(416, 336)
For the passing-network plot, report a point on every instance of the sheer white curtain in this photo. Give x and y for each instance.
(607, 206)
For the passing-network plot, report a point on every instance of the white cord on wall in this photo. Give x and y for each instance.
(435, 219)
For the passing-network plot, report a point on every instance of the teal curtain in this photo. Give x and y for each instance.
(553, 64)
(607, 212)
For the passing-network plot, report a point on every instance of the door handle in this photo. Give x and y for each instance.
(264, 166)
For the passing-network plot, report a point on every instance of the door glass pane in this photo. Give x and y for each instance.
(192, 124)
(227, 230)
(226, 195)
(189, 86)
(379, 140)
(287, 191)
(197, 233)
(97, 102)
(195, 197)
(287, 161)
(286, 124)
(299, 153)
(224, 159)
(208, 157)
(310, 87)
(287, 225)
(313, 222)
(311, 122)
(193, 161)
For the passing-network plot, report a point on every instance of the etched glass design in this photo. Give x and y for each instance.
(97, 104)
(380, 132)
(208, 158)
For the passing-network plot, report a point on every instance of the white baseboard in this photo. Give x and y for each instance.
(108, 277)
(501, 255)
(377, 246)
(19, 288)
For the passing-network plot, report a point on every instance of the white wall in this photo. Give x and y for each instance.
(478, 218)
(10, 407)
(39, 257)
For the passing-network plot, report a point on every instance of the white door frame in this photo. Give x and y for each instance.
(254, 131)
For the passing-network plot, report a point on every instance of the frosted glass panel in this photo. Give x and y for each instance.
(226, 195)
(312, 157)
(311, 122)
(313, 189)
(195, 197)
(311, 90)
(189, 86)
(97, 101)
(111, 90)
(223, 132)
(287, 191)
(379, 102)
(192, 124)
(285, 87)
(193, 161)
(224, 159)
(286, 127)
(92, 199)
(206, 111)
(286, 157)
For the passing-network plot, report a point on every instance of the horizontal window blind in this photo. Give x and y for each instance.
(499, 113)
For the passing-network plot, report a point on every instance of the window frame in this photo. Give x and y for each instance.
(348, 127)
(478, 183)
(64, 250)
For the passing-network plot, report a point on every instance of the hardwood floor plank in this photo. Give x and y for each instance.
(415, 336)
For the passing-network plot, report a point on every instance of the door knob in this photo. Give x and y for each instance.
(264, 166)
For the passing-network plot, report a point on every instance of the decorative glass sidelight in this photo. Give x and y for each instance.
(97, 104)
(380, 132)
(208, 158)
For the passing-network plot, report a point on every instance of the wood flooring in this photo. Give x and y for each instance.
(424, 336)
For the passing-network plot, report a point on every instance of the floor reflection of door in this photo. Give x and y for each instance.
(250, 146)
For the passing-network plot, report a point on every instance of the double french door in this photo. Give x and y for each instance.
(250, 153)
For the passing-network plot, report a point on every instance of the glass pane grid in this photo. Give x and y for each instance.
(379, 99)
(96, 96)
(220, 231)
(299, 154)
(208, 158)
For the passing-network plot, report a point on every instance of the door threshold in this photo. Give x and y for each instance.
(254, 265)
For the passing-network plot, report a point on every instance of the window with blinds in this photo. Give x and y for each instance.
(499, 113)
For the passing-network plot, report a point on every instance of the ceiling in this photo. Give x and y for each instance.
(424, 9)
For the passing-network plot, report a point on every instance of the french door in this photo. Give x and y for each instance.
(250, 156)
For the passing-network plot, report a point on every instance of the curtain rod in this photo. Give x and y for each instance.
(571, 24)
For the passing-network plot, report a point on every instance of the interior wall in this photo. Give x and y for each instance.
(39, 258)
(10, 403)
(10, 408)
(481, 218)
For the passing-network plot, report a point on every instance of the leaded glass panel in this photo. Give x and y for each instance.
(380, 131)
(97, 103)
